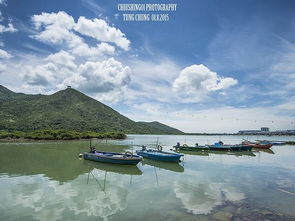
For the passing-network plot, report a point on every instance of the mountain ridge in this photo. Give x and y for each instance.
(68, 109)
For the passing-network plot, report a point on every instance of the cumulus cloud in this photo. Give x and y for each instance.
(63, 59)
(41, 75)
(100, 49)
(61, 28)
(105, 79)
(54, 20)
(100, 77)
(197, 80)
(100, 30)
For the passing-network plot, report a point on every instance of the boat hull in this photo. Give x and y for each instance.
(230, 148)
(159, 155)
(259, 145)
(191, 148)
(262, 146)
(114, 158)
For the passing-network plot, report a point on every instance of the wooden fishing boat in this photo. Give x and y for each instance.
(159, 155)
(108, 157)
(258, 145)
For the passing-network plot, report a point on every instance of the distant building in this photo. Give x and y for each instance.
(266, 131)
(261, 131)
(249, 131)
(69, 86)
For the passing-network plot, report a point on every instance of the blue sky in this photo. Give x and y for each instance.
(215, 66)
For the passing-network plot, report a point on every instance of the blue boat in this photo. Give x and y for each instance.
(108, 157)
(159, 155)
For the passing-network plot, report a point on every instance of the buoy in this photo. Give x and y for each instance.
(80, 155)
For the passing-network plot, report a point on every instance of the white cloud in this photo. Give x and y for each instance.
(53, 20)
(62, 58)
(106, 80)
(59, 28)
(100, 77)
(41, 75)
(197, 80)
(100, 30)
(88, 68)
(8, 28)
(100, 49)
(55, 28)
(4, 54)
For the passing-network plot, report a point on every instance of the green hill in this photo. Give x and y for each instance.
(161, 127)
(67, 109)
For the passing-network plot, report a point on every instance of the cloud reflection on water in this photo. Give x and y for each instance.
(49, 200)
(199, 196)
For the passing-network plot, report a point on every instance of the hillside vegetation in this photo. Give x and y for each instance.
(68, 110)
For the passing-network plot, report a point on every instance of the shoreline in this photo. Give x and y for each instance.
(20, 140)
(52, 135)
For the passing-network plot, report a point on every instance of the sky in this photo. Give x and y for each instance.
(214, 66)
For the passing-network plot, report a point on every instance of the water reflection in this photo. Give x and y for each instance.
(114, 168)
(270, 151)
(196, 153)
(199, 195)
(229, 153)
(46, 199)
(233, 153)
(58, 161)
(171, 166)
(47, 181)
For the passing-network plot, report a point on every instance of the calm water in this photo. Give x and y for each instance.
(47, 181)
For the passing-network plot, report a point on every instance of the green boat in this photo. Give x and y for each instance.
(185, 147)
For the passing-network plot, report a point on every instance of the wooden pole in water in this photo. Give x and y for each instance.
(156, 176)
(130, 179)
(90, 146)
(88, 176)
(104, 183)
